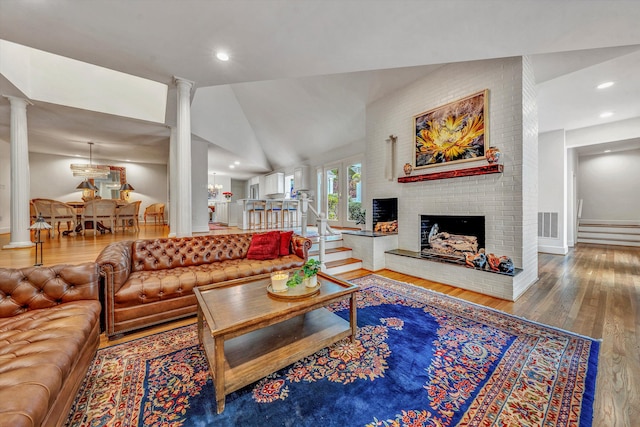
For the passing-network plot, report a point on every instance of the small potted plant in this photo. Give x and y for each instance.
(307, 275)
(310, 273)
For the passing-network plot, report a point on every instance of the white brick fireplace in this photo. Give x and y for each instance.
(507, 200)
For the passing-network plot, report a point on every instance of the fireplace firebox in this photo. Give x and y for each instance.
(385, 215)
(451, 236)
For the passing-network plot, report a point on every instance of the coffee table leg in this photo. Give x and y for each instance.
(218, 379)
(200, 324)
(353, 317)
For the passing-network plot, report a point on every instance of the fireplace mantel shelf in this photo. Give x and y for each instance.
(479, 170)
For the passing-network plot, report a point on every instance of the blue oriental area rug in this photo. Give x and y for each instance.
(420, 359)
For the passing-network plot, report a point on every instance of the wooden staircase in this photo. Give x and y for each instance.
(337, 258)
(606, 233)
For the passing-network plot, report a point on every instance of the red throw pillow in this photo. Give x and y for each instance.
(264, 246)
(285, 242)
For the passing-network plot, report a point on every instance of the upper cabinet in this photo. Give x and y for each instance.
(301, 178)
(274, 183)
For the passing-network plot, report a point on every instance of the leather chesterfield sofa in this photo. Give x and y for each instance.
(147, 282)
(49, 334)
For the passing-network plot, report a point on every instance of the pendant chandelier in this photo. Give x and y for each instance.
(90, 170)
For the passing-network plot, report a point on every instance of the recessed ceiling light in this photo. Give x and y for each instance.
(232, 166)
(607, 151)
(222, 56)
(605, 85)
(236, 162)
(606, 114)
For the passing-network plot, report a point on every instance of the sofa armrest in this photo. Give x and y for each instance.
(32, 288)
(115, 265)
(300, 246)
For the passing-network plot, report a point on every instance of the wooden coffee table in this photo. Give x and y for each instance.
(247, 333)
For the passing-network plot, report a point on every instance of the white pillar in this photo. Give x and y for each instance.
(173, 182)
(20, 183)
(183, 160)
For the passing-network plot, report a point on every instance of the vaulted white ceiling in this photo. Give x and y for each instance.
(302, 72)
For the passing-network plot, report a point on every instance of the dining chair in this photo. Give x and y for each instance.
(156, 211)
(33, 214)
(43, 209)
(127, 216)
(63, 213)
(99, 211)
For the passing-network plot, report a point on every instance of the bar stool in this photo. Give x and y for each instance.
(257, 211)
(290, 211)
(275, 214)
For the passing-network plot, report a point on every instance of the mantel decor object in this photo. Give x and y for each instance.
(493, 155)
(408, 169)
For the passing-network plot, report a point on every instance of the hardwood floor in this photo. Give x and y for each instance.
(593, 291)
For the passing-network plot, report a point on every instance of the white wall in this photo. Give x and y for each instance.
(552, 187)
(610, 180)
(51, 178)
(508, 201)
(572, 197)
(199, 176)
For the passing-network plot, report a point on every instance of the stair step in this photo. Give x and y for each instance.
(343, 266)
(605, 241)
(601, 235)
(331, 244)
(632, 231)
(604, 224)
(332, 254)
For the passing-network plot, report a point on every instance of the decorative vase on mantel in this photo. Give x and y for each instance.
(493, 155)
(408, 169)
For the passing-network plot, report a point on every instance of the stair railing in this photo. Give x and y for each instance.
(324, 229)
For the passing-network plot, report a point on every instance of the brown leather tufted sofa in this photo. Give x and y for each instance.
(151, 281)
(49, 334)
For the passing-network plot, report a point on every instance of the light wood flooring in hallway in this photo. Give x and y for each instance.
(592, 291)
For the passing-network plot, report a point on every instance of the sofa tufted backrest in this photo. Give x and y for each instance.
(159, 254)
(31, 288)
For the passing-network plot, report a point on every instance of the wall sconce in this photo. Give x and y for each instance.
(125, 189)
(88, 190)
(390, 158)
(38, 226)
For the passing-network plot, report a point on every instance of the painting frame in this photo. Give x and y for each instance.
(452, 133)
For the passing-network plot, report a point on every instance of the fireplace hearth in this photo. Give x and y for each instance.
(385, 215)
(449, 237)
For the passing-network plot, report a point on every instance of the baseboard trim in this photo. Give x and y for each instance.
(556, 250)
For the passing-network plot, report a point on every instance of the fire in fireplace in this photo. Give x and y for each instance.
(450, 236)
(385, 215)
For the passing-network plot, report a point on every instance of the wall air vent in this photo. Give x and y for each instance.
(548, 224)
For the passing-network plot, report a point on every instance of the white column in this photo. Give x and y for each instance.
(183, 160)
(173, 182)
(20, 183)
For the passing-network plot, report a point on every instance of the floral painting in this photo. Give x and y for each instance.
(452, 133)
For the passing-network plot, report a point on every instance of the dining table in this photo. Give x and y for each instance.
(79, 206)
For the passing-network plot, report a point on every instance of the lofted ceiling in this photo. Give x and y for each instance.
(302, 72)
